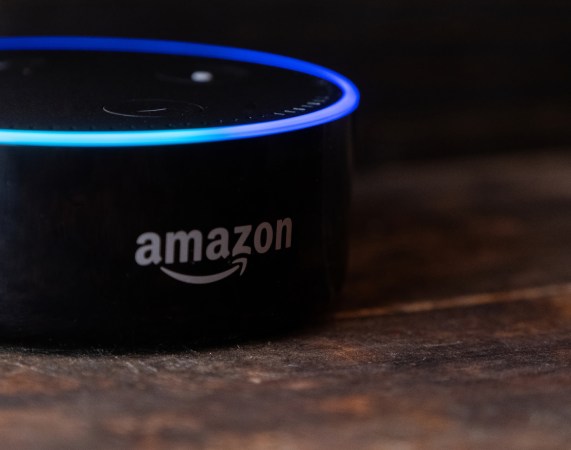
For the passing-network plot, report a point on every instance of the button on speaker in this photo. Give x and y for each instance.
(205, 74)
(153, 108)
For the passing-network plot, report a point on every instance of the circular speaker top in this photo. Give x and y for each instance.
(97, 92)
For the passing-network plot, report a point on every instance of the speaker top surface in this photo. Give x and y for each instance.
(70, 91)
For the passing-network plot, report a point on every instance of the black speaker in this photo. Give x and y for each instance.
(156, 190)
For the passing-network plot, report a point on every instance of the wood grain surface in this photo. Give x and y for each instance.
(454, 331)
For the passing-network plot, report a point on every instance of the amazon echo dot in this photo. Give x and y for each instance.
(156, 189)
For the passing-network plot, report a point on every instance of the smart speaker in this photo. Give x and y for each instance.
(156, 190)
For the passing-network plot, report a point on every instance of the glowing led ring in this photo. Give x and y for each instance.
(342, 107)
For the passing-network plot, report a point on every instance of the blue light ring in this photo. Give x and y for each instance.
(342, 107)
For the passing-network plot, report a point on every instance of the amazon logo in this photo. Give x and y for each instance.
(194, 246)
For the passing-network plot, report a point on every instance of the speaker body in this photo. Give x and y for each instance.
(120, 221)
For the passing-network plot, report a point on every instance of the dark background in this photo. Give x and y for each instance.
(438, 78)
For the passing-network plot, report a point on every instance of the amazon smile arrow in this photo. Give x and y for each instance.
(238, 264)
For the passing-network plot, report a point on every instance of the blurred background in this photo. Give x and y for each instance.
(439, 78)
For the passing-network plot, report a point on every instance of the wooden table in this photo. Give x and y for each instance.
(454, 332)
